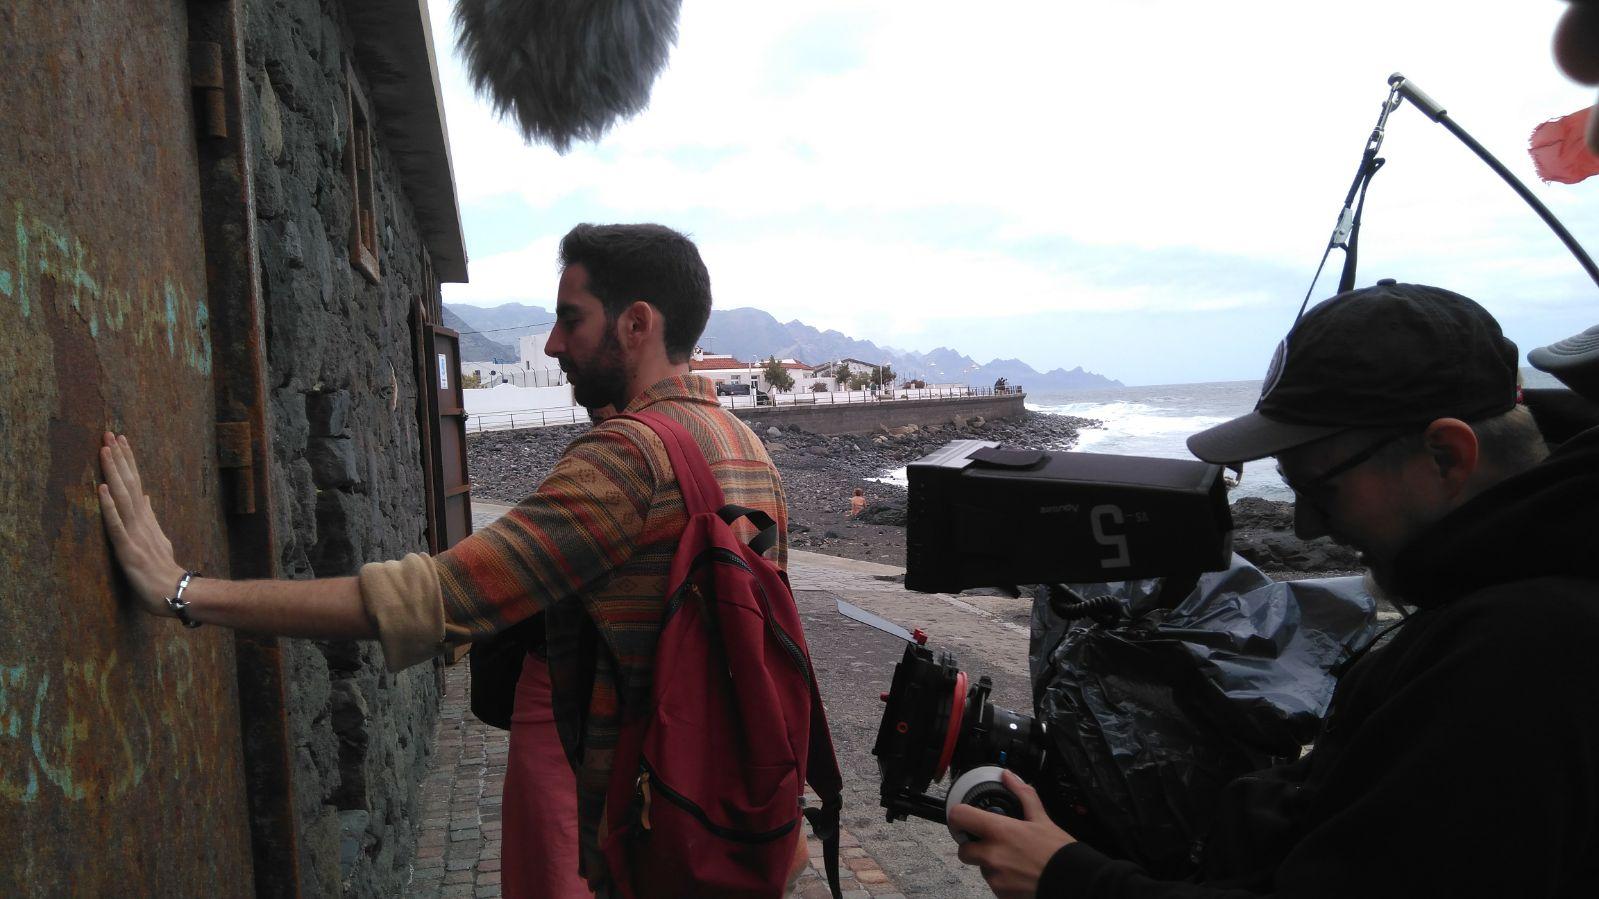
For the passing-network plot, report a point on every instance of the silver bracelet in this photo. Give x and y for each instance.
(177, 605)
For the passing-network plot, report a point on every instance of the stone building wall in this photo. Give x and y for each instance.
(347, 467)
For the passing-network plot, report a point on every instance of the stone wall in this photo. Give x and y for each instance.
(866, 418)
(347, 473)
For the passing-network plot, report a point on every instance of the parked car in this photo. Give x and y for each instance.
(732, 389)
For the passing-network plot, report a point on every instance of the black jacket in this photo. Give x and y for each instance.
(1459, 759)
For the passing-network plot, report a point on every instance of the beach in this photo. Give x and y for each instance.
(820, 474)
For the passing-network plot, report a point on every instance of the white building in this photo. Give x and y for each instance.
(492, 374)
(807, 377)
(533, 368)
(540, 368)
(856, 366)
(730, 370)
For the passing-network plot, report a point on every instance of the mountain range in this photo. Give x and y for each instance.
(490, 333)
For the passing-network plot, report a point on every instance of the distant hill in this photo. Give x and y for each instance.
(477, 347)
(753, 334)
(507, 323)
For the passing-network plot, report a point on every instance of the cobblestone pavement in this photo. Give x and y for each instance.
(458, 844)
(458, 847)
(855, 663)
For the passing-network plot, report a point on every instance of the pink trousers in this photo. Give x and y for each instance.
(539, 835)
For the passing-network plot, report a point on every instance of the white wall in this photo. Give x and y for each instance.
(531, 355)
(490, 408)
(751, 376)
(513, 373)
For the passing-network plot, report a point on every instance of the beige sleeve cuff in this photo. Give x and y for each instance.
(402, 598)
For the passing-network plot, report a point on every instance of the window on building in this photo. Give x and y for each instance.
(358, 173)
(738, 377)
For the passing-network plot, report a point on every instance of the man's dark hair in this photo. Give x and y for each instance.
(653, 263)
(1509, 441)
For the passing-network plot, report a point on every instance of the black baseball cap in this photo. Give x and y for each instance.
(1575, 361)
(1388, 356)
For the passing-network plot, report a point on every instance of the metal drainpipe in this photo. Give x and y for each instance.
(244, 442)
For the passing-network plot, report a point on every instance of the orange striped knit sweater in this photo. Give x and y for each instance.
(592, 546)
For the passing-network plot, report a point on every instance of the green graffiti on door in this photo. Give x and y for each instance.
(149, 309)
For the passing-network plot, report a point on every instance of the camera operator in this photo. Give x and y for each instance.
(1460, 757)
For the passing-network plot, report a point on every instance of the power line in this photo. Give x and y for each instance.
(511, 328)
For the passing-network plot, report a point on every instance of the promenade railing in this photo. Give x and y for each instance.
(539, 418)
(525, 418)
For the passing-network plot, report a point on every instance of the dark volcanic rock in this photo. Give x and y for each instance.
(507, 465)
(890, 511)
(1252, 513)
(1263, 533)
(821, 473)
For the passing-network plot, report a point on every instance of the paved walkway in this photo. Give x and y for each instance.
(458, 844)
(459, 847)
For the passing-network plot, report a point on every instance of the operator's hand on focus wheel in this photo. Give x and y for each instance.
(1011, 853)
(141, 547)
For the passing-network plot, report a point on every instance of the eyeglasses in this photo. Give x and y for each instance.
(1317, 490)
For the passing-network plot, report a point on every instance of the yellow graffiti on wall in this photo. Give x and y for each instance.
(154, 313)
(87, 729)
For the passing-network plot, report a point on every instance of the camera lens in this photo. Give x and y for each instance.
(994, 735)
(936, 723)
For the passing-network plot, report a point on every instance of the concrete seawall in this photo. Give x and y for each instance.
(864, 418)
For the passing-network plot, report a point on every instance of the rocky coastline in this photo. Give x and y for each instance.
(820, 474)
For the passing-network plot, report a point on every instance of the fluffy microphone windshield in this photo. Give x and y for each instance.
(566, 70)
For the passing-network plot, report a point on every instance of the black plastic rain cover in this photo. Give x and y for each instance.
(1150, 718)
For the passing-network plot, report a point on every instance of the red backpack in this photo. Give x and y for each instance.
(707, 784)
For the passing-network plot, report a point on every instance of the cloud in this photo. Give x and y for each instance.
(517, 276)
(891, 169)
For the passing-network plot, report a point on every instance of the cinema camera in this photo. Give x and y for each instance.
(983, 516)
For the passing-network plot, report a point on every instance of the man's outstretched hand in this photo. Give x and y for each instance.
(1011, 853)
(141, 547)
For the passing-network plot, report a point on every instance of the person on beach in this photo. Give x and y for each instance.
(590, 549)
(857, 503)
(1461, 757)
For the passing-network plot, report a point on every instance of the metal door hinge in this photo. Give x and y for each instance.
(206, 76)
(237, 462)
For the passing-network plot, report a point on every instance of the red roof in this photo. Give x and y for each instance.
(710, 363)
(715, 362)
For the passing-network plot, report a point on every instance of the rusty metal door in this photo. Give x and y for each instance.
(120, 753)
(454, 501)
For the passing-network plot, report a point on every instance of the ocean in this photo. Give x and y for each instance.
(1155, 421)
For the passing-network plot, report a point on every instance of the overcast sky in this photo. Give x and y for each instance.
(1142, 188)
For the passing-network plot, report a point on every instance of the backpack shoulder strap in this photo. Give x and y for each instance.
(701, 492)
(821, 769)
(765, 528)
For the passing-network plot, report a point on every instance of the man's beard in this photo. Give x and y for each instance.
(602, 381)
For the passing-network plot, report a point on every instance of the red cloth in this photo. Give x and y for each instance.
(539, 842)
(1560, 150)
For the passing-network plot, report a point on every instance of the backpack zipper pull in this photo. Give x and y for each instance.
(641, 795)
